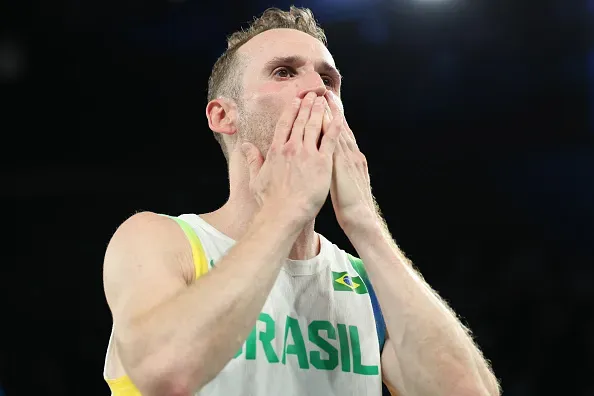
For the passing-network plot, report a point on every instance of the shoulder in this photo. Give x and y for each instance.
(148, 237)
(150, 230)
(141, 220)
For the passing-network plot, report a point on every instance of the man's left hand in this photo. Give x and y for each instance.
(350, 190)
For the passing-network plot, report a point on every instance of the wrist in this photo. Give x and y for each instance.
(361, 220)
(282, 216)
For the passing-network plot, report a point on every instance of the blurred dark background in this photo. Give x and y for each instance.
(477, 118)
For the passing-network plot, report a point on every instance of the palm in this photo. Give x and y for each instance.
(350, 190)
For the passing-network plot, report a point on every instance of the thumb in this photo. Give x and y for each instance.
(253, 157)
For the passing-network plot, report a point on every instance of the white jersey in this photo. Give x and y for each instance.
(316, 333)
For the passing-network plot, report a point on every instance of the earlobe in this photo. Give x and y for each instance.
(221, 116)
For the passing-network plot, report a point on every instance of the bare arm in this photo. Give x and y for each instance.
(428, 352)
(174, 338)
(175, 334)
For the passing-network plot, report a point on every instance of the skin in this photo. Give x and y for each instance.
(428, 351)
(267, 90)
(165, 338)
(169, 342)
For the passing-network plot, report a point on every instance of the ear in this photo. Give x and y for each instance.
(222, 114)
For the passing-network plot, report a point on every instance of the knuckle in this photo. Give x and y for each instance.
(312, 126)
(289, 149)
(337, 126)
(307, 152)
(318, 106)
(283, 123)
(322, 161)
(300, 120)
(361, 159)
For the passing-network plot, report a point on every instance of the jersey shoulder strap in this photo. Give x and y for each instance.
(124, 386)
(198, 254)
(380, 324)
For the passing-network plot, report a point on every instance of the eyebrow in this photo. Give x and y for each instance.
(296, 61)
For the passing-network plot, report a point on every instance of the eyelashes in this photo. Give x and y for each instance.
(285, 72)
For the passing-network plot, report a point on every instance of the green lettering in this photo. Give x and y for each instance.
(358, 367)
(267, 336)
(345, 350)
(315, 358)
(298, 347)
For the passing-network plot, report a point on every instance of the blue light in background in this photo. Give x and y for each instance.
(344, 10)
(183, 27)
(374, 27)
(590, 4)
(591, 89)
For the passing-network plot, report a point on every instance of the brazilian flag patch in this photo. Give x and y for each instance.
(342, 281)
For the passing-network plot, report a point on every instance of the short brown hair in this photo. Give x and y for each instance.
(225, 76)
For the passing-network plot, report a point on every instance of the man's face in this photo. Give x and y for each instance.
(279, 65)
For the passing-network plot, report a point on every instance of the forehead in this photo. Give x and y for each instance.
(283, 43)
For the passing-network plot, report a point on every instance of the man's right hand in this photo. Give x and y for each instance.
(296, 174)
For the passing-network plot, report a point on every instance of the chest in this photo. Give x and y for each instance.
(315, 335)
(309, 324)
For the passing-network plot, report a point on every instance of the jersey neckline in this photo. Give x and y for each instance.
(292, 267)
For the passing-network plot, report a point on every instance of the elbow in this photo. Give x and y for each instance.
(158, 372)
(163, 371)
(168, 374)
(173, 388)
(157, 378)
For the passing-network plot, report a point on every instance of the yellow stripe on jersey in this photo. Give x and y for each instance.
(200, 261)
(123, 386)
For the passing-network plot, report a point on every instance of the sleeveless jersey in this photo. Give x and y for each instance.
(320, 331)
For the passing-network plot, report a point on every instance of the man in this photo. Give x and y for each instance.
(249, 299)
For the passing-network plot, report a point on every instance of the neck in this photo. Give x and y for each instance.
(235, 216)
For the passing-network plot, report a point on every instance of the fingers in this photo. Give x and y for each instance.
(349, 137)
(336, 108)
(302, 118)
(285, 123)
(326, 121)
(313, 128)
(254, 159)
(349, 133)
(330, 138)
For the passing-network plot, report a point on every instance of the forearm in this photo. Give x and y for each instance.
(191, 337)
(435, 353)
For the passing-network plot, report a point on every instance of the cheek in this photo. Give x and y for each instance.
(273, 95)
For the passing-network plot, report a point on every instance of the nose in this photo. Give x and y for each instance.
(311, 82)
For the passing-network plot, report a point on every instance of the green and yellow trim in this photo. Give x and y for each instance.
(123, 386)
(200, 260)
